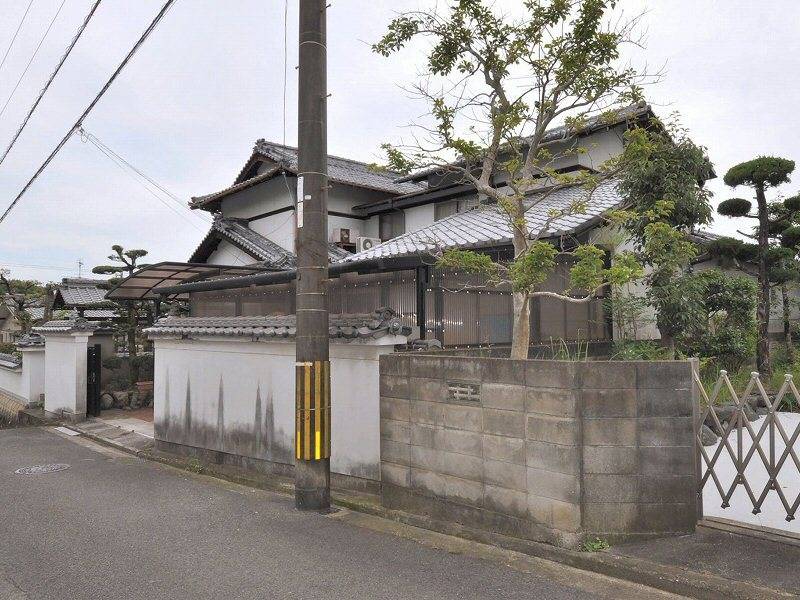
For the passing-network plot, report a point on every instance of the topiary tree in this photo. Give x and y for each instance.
(21, 295)
(494, 84)
(127, 262)
(760, 174)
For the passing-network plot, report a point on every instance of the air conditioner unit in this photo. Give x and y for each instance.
(365, 243)
(340, 235)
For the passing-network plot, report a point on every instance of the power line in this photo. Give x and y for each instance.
(122, 164)
(89, 108)
(16, 33)
(52, 77)
(35, 52)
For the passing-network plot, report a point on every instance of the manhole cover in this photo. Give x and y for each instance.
(40, 469)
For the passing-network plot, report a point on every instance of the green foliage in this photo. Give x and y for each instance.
(534, 267)
(764, 171)
(595, 545)
(662, 175)
(792, 204)
(639, 350)
(790, 237)
(8, 348)
(734, 207)
(470, 261)
(727, 329)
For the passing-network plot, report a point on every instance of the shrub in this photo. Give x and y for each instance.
(735, 207)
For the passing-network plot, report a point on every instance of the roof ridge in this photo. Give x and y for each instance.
(336, 156)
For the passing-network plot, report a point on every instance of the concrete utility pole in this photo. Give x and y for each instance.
(312, 400)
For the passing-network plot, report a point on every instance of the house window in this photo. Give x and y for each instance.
(445, 209)
(391, 225)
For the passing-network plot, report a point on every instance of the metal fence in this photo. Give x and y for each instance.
(460, 310)
(757, 448)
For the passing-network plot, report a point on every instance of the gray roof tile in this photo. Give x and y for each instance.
(373, 325)
(487, 226)
(261, 248)
(82, 292)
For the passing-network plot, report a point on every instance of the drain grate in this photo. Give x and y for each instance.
(41, 469)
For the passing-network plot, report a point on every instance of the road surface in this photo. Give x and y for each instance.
(115, 526)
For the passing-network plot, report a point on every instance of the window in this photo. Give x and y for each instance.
(445, 209)
(392, 224)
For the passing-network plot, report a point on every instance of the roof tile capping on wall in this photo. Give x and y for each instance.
(552, 451)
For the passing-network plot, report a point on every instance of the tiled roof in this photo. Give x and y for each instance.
(10, 361)
(347, 327)
(340, 170)
(82, 292)
(66, 326)
(594, 123)
(260, 248)
(30, 340)
(488, 226)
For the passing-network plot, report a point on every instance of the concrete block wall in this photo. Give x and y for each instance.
(546, 450)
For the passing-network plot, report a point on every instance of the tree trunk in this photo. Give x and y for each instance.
(49, 298)
(521, 336)
(787, 324)
(132, 354)
(521, 333)
(763, 364)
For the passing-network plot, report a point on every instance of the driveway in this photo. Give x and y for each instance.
(115, 526)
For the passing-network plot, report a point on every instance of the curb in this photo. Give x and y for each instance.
(675, 580)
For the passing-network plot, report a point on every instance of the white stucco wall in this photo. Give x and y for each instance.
(418, 217)
(33, 374)
(65, 373)
(11, 382)
(236, 396)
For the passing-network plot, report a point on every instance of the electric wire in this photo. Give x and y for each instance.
(16, 33)
(89, 108)
(33, 56)
(49, 81)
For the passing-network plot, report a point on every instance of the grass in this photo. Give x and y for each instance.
(595, 545)
(739, 378)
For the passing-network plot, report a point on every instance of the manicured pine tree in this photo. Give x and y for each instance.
(760, 174)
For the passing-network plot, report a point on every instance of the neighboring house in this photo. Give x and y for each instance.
(10, 328)
(83, 297)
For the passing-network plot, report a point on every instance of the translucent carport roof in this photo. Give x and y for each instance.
(144, 283)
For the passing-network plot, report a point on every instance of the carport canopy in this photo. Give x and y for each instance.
(142, 285)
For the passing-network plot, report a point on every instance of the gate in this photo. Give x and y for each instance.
(93, 366)
(752, 473)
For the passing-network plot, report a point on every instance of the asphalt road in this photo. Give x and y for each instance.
(115, 526)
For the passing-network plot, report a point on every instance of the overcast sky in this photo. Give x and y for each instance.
(209, 82)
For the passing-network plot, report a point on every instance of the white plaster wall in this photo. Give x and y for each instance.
(255, 381)
(229, 255)
(11, 382)
(33, 374)
(65, 373)
(418, 217)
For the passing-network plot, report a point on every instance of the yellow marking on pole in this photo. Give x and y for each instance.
(317, 406)
(306, 415)
(327, 403)
(318, 449)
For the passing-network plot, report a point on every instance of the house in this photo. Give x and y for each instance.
(380, 216)
(10, 329)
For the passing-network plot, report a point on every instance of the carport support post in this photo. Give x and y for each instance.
(312, 384)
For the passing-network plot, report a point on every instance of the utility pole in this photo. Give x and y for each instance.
(312, 399)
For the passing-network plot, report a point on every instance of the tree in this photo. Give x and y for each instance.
(783, 266)
(127, 262)
(20, 296)
(494, 85)
(760, 174)
(663, 176)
